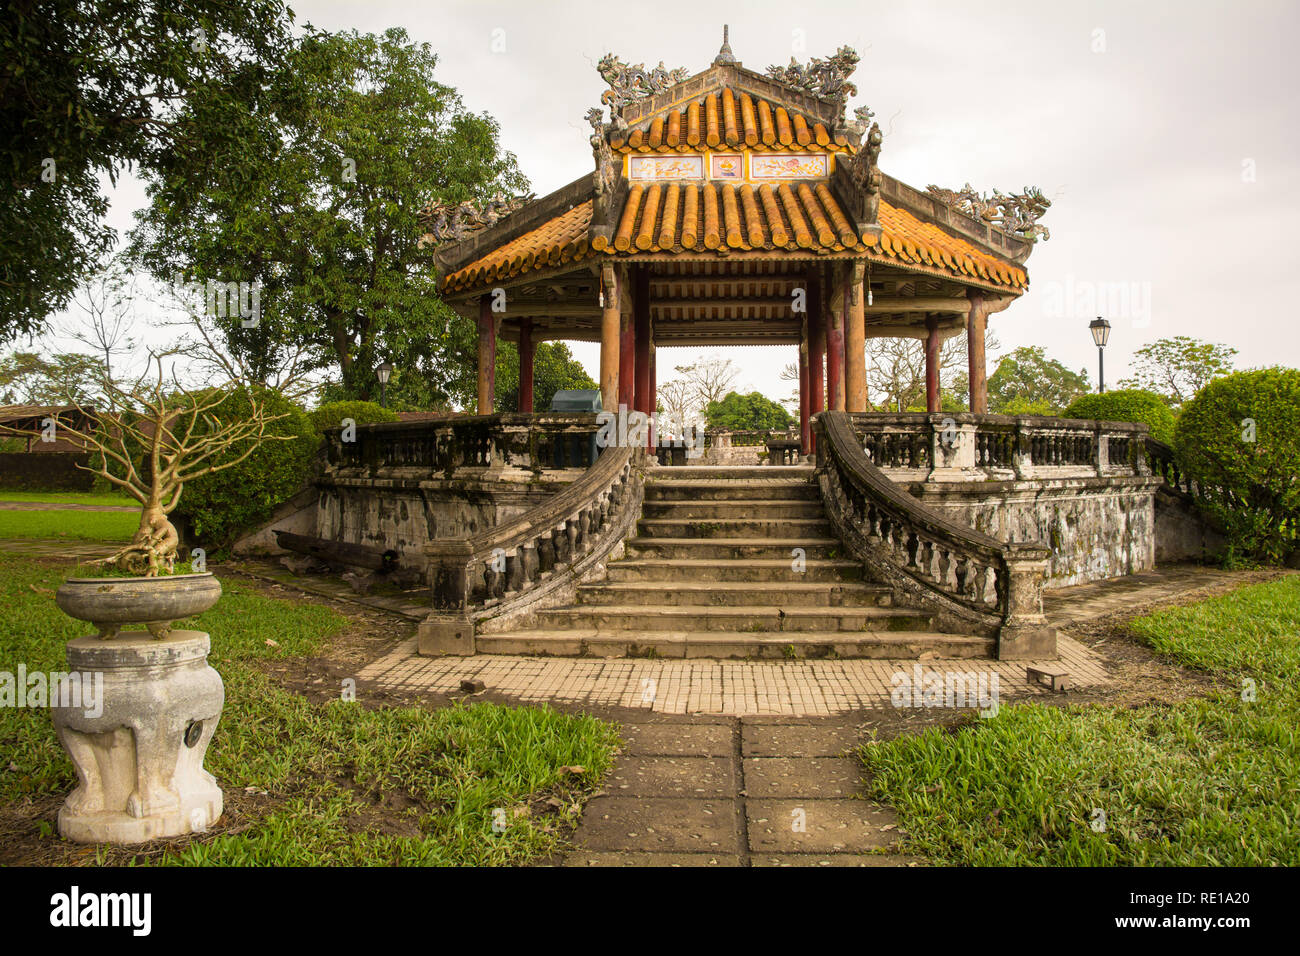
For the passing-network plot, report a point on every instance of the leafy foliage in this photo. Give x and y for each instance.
(751, 412)
(87, 87)
(1240, 438)
(318, 196)
(331, 414)
(1127, 405)
(28, 378)
(1028, 375)
(219, 506)
(554, 368)
(1178, 367)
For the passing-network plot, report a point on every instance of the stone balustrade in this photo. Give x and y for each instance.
(552, 440)
(531, 559)
(965, 447)
(971, 582)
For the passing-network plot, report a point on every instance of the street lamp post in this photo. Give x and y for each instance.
(384, 373)
(1100, 329)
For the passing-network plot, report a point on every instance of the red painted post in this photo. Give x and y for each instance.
(526, 350)
(641, 322)
(816, 353)
(487, 354)
(805, 429)
(932, 364)
(626, 362)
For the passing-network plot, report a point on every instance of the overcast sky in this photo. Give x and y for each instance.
(1165, 135)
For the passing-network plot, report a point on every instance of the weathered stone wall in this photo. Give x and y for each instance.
(403, 514)
(1095, 527)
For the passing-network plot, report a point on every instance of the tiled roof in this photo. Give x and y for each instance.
(726, 119)
(697, 218)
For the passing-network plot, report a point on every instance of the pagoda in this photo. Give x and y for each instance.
(736, 208)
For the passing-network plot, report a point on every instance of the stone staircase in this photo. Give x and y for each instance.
(713, 571)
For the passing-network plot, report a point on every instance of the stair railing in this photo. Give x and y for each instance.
(508, 567)
(970, 581)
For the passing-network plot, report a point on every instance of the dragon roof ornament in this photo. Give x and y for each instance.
(452, 222)
(825, 78)
(631, 83)
(1016, 214)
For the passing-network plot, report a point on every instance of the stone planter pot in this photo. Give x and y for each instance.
(138, 742)
(110, 603)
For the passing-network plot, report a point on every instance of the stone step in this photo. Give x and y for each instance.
(786, 488)
(729, 472)
(668, 570)
(668, 617)
(745, 594)
(734, 528)
(770, 508)
(880, 645)
(733, 549)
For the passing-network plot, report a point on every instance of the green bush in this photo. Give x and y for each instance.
(331, 414)
(1127, 405)
(220, 506)
(1240, 439)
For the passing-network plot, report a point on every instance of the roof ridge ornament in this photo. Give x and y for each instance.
(452, 222)
(825, 78)
(631, 83)
(725, 57)
(1016, 214)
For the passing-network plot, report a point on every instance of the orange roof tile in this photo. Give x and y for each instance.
(693, 217)
(728, 121)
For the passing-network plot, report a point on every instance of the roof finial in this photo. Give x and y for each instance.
(725, 56)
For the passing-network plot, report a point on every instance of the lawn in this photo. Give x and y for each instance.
(106, 526)
(70, 497)
(1213, 781)
(325, 768)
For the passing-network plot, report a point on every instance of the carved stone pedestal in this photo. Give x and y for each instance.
(139, 750)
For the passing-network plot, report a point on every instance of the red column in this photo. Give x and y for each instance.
(816, 353)
(526, 350)
(805, 429)
(835, 351)
(932, 364)
(641, 323)
(487, 354)
(654, 390)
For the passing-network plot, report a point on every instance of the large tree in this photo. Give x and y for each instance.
(318, 204)
(88, 87)
(1026, 381)
(1179, 367)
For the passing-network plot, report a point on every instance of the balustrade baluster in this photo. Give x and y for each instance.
(546, 552)
(529, 563)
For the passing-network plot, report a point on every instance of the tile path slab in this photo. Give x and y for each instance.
(746, 809)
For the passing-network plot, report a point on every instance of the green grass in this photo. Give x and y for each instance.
(1213, 781)
(106, 526)
(324, 767)
(69, 497)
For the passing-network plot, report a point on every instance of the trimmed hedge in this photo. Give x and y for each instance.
(1241, 433)
(218, 507)
(331, 414)
(1127, 405)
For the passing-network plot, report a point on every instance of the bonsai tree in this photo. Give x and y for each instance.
(152, 437)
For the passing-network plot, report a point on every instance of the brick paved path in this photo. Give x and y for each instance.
(750, 791)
